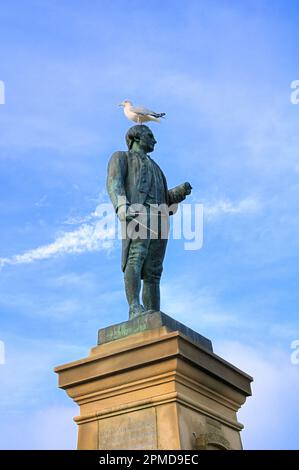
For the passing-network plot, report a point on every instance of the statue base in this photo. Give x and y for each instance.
(150, 321)
(152, 383)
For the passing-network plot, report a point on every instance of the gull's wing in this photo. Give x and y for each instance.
(141, 111)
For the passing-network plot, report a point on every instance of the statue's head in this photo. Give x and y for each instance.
(140, 138)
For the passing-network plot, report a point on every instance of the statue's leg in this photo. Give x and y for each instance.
(151, 274)
(151, 295)
(136, 256)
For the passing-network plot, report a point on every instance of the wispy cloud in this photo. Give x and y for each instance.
(74, 279)
(42, 202)
(87, 238)
(69, 300)
(249, 205)
(103, 206)
(209, 311)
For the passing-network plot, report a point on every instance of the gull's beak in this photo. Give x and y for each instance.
(120, 104)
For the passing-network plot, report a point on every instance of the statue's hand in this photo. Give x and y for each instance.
(187, 188)
(125, 214)
(122, 213)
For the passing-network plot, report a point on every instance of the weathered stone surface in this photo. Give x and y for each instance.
(150, 321)
(156, 389)
(134, 431)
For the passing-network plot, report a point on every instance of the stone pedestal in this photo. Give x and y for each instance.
(161, 387)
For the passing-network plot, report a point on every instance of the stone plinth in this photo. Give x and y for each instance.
(155, 389)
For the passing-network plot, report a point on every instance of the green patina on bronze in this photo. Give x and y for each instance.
(136, 178)
(150, 321)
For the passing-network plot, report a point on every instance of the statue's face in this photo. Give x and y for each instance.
(147, 141)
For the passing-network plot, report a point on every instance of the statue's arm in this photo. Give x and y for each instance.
(117, 171)
(179, 193)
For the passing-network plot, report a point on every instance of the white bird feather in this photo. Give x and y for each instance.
(140, 114)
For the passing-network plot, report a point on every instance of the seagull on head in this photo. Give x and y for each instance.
(140, 114)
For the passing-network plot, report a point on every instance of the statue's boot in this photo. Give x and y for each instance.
(135, 310)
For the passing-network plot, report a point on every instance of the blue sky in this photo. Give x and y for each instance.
(221, 70)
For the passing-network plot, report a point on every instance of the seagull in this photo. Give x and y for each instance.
(140, 114)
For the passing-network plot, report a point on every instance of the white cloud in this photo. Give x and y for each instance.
(249, 205)
(88, 237)
(257, 118)
(103, 205)
(78, 219)
(71, 300)
(209, 312)
(203, 309)
(42, 202)
(85, 280)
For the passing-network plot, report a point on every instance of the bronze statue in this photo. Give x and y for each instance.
(136, 181)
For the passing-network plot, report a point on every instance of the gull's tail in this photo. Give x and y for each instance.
(158, 115)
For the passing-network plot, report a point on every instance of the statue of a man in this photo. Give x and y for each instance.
(135, 180)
